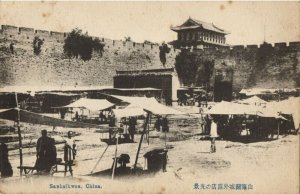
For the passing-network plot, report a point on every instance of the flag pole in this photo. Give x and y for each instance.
(19, 135)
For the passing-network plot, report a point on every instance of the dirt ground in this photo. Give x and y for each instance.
(268, 167)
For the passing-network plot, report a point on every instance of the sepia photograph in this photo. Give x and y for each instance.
(149, 97)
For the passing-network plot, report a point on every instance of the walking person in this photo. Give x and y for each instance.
(213, 135)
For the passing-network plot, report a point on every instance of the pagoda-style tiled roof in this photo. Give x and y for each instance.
(194, 24)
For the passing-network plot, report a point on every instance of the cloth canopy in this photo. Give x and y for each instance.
(289, 106)
(25, 89)
(229, 108)
(272, 109)
(253, 101)
(34, 118)
(137, 89)
(59, 94)
(149, 105)
(129, 111)
(257, 91)
(90, 104)
(133, 99)
(160, 109)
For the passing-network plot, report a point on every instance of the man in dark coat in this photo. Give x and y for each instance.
(165, 124)
(45, 152)
(5, 166)
(131, 127)
(157, 124)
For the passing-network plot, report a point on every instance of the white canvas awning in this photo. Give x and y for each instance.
(128, 112)
(289, 106)
(253, 101)
(159, 109)
(149, 105)
(229, 108)
(272, 109)
(90, 104)
(34, 118)
(257, 91)
(26, 89)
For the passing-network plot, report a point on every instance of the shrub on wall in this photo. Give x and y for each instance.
(37, 45)
(163, 50)
(81, 45)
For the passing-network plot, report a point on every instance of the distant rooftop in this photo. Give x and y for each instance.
(194, 24)
(146, 71)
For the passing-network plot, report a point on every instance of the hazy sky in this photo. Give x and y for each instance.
(152, 20)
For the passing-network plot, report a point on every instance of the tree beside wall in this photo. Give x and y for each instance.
(81, 45)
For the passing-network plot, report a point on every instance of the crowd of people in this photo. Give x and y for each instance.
(197, 99)
(162, 124)
(233, 127)
(46, 153)
(129, 127)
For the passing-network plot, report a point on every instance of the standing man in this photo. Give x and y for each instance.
(157, 124)
(5, 166)
(165, 124)
(70, 151)
(165, 127)
(213, 135)
(76, 116)
(45, 152)
(131, 127)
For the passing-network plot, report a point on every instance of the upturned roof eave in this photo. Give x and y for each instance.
(199, 24)
(178, 28)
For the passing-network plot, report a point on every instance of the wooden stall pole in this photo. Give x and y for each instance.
(140, 143)
(19, 135)
(99, 159)
(115, 159)
(278, 128)
(149, 130)
(165, 139)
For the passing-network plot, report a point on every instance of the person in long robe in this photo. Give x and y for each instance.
(70, 152)
(45, 153)
(131, 127)
(213, 135)
(5, 166)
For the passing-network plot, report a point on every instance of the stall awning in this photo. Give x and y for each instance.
(272, 109)
(149, 105)
(229, 108)
(90, 104)
(128, 112)
(253, 101)
(289, 106)
(34, 118)
(259, 91)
